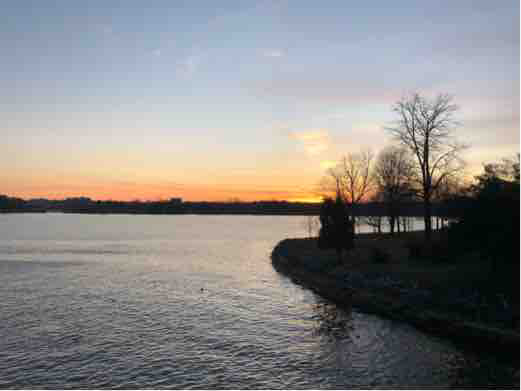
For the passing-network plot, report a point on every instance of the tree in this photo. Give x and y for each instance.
(351, 179)
(337, 227)
(507, 170)
(448, 190)
(394, 174)
(488, 221)
(426, 128)
(311, 224)
(375, 221)
(513, 163)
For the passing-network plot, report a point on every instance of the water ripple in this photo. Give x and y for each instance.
(196, 306)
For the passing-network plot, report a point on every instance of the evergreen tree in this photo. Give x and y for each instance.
(337, 227)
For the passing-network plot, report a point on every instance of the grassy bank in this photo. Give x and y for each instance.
(390, 276)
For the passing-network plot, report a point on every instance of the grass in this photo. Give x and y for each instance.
(460, 285)
(438, 270)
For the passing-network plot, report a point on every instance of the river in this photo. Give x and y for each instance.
(179, 301)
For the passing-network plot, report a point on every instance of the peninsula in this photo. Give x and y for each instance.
(389, 276)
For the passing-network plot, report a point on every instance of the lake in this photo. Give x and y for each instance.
(182, 301)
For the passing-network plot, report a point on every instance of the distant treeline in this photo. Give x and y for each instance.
(177, 206)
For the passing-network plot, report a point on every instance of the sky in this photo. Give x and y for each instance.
(237, 99)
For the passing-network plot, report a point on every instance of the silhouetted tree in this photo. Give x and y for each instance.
(514, 164)
(11, 203)
(489, 222)
(375, 221)
(507, 170)
(394, 174)
(351, 179)
(337, 226)
(426, 127)
(311, 224)
(449, 189)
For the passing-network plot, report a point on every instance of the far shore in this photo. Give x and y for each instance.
(438, 294)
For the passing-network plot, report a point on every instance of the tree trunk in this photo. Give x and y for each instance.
(398, 224)
(391, 224)
(427, 218)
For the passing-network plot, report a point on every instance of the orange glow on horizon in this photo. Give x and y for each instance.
(232, 188)
(156, 192)
(311, 199)
(95, 196)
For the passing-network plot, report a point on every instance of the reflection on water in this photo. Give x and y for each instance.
(332, 322)
(193, 302)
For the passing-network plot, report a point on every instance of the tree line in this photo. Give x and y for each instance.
(423, 165)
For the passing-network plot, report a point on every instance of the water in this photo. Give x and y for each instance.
(98, 301)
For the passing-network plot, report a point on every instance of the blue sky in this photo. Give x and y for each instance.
(212, 100)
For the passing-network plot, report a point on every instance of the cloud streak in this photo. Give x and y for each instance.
(274, 53)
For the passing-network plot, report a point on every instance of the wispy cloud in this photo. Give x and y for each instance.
(188, 66)
(273, 53)
(157, 52)
(313, 141)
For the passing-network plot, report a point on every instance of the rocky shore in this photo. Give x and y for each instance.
(399, 291)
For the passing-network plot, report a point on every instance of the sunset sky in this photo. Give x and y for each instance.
(221, 99)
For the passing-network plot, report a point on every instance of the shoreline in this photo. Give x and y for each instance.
(373, 298)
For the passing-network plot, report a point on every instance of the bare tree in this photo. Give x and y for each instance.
(312, 225)
(351, 178)
(375, 221)
(426, 128)
(406, 222)
(448, 188)
(394, 175)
